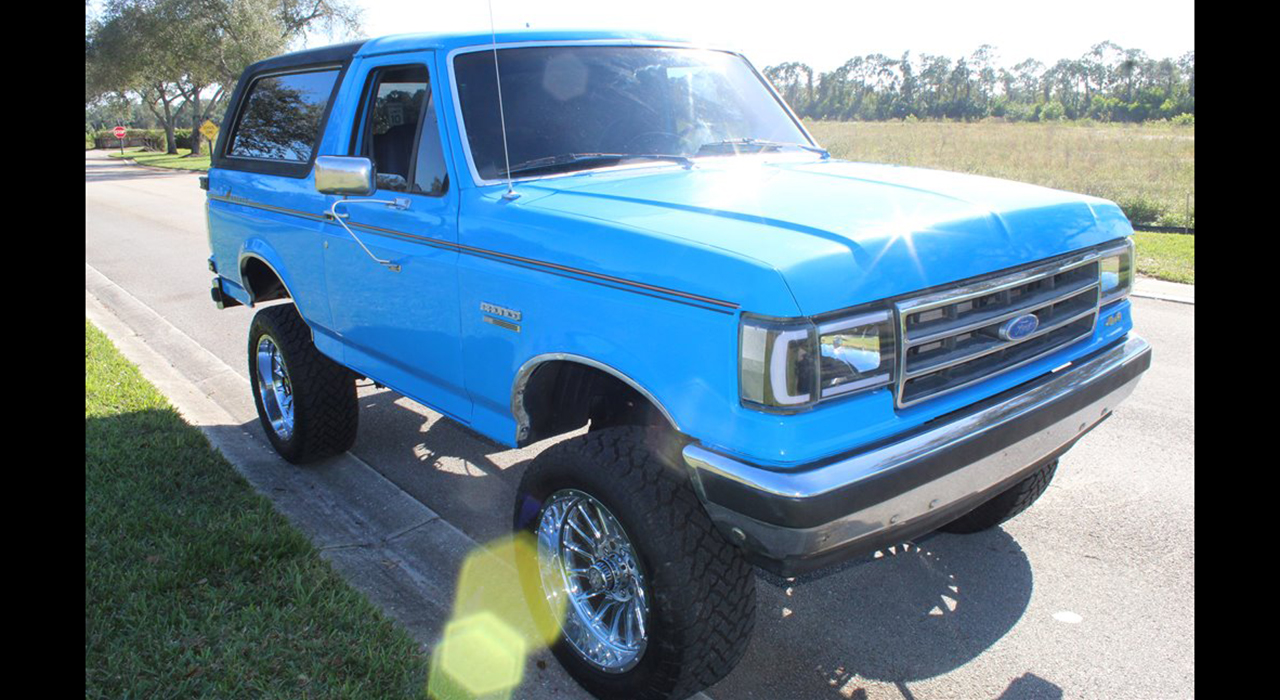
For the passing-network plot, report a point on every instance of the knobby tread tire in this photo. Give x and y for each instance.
(326, 411)
(703, 590)
(1005, 505)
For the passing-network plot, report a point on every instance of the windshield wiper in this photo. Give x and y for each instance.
(733, 144)
(573, 159)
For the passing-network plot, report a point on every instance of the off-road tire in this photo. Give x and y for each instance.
(326, 413)
(702, 590)
(1005, 505)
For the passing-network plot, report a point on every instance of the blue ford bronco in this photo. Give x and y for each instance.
(781, 359)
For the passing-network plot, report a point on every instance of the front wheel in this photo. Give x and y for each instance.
(306, 402)
(655, 602)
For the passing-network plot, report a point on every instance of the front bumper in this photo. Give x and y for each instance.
(792, 522)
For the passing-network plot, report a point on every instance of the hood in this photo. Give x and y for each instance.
(843, 233)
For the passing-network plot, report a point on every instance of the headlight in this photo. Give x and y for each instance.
(1117, 273)
(791, 364)
(857, 353)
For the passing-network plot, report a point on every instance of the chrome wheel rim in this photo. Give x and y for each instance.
(274, 387)
(590, 570)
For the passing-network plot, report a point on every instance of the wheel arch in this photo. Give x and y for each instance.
(260, 277)
(539, 414)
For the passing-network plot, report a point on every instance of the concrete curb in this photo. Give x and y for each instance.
(1151, 288)
(1162, 297)
(136, 164)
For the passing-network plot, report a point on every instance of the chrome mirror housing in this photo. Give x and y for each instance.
(344, 175)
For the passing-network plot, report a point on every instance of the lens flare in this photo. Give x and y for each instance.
(498, 619)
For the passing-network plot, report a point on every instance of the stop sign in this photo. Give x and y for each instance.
(119, 132)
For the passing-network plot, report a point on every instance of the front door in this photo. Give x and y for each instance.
(398, 319)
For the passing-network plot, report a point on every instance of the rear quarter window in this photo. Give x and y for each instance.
(282, 115)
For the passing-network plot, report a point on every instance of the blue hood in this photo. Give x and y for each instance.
(843, 233)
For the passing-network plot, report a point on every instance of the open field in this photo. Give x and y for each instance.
(165, 160)
(1148, 169)
(194, 585)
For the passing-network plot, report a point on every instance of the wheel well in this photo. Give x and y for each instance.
(562, 395)
(262, 282)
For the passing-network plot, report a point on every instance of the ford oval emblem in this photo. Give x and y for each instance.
(1019, 327)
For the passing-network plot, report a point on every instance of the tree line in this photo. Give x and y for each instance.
(169, 62)
(1107, 83)
(165, 63)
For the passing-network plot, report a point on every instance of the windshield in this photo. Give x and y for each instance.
(615, 101)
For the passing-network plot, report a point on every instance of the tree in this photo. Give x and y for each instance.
(795, 82)
(183, 56)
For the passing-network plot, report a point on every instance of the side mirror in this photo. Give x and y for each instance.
(344, 175)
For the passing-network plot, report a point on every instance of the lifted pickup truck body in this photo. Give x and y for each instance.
(700, 289)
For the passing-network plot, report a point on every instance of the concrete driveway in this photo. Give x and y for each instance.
(1088, 594)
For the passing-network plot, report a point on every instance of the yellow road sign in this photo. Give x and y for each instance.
(209, 129)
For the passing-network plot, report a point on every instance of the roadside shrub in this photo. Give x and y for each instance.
(1053, 111)
(1020, 112)
(1180, 217)
(1184, 119)
(149, 139)
(1141, 209)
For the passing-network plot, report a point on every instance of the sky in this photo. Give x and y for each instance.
(826, 33)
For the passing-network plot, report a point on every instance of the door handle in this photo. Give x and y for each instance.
(397, 203)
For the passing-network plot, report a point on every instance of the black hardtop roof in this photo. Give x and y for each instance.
(335, 53)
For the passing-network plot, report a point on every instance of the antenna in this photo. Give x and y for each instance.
(502, 117)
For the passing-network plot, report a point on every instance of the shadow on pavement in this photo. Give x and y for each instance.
(101, 168)
(1029, 686)
(466, 478)
(103, 173)
(905, 614)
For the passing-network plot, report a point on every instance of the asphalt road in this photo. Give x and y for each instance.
(1088, 594)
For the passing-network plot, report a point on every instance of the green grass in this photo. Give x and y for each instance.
(181, 161)
(1148, 169)
(1167, 256)
(194, 585)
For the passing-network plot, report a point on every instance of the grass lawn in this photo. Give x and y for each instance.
(1167, 256)
(181, 161)
(194, 585)
(1148, 169)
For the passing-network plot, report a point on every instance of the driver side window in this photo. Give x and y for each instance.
(400, 134)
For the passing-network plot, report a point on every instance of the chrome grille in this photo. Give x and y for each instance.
(952, 338)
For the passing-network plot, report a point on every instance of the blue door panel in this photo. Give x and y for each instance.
(397, 327)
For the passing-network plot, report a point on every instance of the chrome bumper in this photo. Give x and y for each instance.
(795, 521)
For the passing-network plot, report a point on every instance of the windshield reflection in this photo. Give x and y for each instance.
(566, 106)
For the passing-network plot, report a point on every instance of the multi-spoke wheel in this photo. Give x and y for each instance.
(274, 389)
(654, 601)
(585, 557)
(306, 402)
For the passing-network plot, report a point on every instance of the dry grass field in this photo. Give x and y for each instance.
(1149, 169)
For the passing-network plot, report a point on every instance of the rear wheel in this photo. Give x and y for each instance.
(656, 602)
(306, 402)
(1005, 505)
